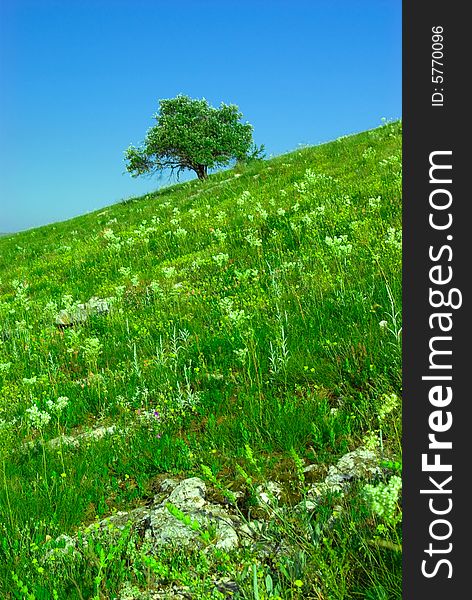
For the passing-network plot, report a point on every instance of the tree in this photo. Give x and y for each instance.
(191, 134)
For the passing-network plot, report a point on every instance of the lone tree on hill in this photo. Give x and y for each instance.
(191, 134)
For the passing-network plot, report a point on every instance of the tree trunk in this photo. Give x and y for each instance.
(201, 171)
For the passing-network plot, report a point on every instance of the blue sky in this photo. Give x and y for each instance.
(81, 79)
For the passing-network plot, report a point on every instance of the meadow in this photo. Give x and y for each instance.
(252, 329)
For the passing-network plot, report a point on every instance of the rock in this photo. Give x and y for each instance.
(269, 493)
(226, 535)
(79, 313)
(94, 434)
(251, 531)
(358, 464)
(162, 527)
(121, 519)
(63, 545)
(190, 493)
(168, 484)
(184, 525)
(310, 468)
(70, 441)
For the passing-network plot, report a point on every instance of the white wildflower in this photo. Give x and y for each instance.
(383, 497)
(221, 259)
(37, 418)
(59, 405)
(169, 271)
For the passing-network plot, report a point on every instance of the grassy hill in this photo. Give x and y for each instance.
(253, 326)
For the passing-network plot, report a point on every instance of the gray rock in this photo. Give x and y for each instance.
(189, 493)
(162, 527)
(81, 312)
(269, 493)
(121, 519)
(358, 464)
(64, 545)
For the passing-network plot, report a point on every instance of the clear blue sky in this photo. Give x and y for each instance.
(80, 81)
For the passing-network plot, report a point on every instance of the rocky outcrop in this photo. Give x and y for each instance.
(79, 313)
(358, 464)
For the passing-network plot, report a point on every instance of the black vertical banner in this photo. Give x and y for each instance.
(437, 266)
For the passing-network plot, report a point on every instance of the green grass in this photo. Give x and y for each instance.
(258, 309)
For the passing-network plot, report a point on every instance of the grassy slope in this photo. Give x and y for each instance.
(244, 310)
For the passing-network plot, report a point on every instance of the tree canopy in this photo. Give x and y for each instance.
(191, 134)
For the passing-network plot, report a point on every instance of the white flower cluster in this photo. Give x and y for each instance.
(391, 401)
(262, 211)
(156, 288)
(169, 271)
(221, 216)
(394, 238)
(339, 245)
(58, 405)
(235, 316)
(383, 497)
(92, 349)
(110, 237)
(312, 179)
(395, 160)
(37, 418)
(220, 235)
(375, 202)
(253, 240)
(221, 259)
(241, 354)
(368, 152)
(145, 230)
(242, 199)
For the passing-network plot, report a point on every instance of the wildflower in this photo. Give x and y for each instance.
(383, 497)
(220, 235)
(59, 405)
(221, 259)
(383, 324)
(92, 349)
(371, 441)
(169, 271)
(394, 238)
(37, 418)
(339, 245)
(253, 240)
(390, 403)
(374, 202)
(155, 287)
